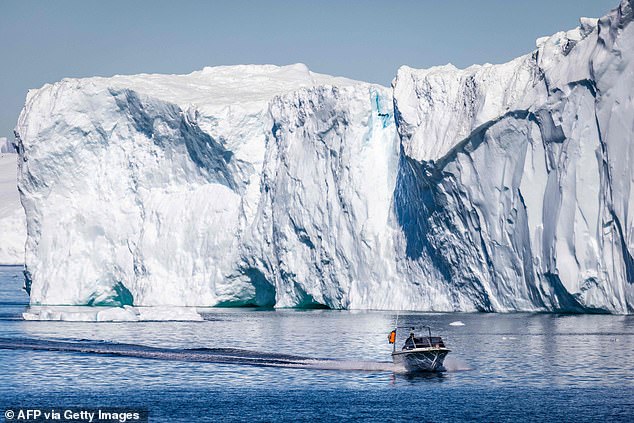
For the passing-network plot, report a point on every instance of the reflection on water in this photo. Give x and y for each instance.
(421, 377)
(287, 354)
(538, 349)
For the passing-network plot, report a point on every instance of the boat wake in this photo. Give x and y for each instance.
(454, 364)
(201, 355)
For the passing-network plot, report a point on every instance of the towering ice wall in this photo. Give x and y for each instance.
(515, 186)
(322, 231)
(236, 185)
(497, 187)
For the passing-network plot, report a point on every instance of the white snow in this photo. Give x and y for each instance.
(12, 219)
(497, 187)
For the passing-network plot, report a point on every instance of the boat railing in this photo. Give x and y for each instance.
(413, 328)
(413, 341)
(429, 341)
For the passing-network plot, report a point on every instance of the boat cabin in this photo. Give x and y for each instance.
(423, 342)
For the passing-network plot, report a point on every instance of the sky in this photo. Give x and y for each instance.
(45, 41)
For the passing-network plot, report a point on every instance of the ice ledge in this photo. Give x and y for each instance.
(111, 314)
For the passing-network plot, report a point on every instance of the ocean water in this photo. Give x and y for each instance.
(319, 365)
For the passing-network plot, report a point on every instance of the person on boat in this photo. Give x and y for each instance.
(409, 342)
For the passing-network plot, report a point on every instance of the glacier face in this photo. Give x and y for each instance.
(495, 188)
(514, 187)
(226, 186)
(322, 230)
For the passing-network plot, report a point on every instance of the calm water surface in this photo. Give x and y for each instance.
(509, 367)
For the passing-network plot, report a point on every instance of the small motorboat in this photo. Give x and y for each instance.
(419, 353)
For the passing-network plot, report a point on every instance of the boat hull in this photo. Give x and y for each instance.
(421, 359)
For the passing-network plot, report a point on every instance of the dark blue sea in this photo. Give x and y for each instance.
(319, 365)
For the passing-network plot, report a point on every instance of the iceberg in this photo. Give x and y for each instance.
(492, 188)
(6, 146)
(514, 184)
(243, 185)
(12, 218)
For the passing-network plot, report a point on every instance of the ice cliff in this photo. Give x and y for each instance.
(514, 186)
(239, 185)
(496, 188)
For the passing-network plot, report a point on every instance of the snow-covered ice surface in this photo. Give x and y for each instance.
(12, 219)
(497, 187)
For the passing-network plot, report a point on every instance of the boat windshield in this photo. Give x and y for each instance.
(423, 342)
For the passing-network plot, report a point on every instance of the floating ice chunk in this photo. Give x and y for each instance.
(456, 323)
(117, 314)
(111, 314)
